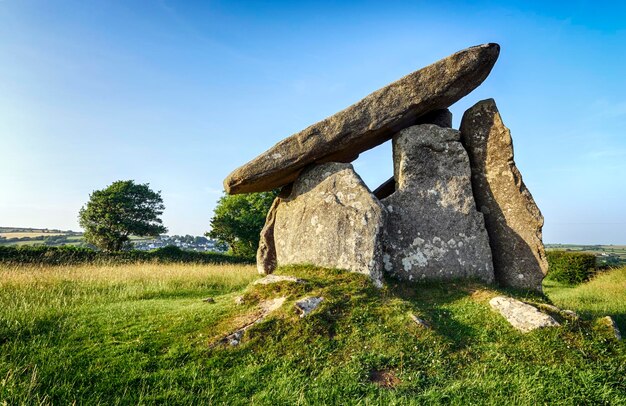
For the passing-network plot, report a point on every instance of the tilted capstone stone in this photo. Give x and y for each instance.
(369, 122)
(512, 218)
(330, 219)
(434, 231)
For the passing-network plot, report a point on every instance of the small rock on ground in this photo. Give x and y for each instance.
(522, 316)
(420, 323)
(610, 323)
(307, 305)
(277, 278)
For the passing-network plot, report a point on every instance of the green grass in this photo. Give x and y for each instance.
(141, 334)
(604, 295)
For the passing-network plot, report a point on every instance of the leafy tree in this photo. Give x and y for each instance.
(238, 220)
(123, 209)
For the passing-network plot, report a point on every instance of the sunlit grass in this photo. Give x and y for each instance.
(604, 295)
(142, 334)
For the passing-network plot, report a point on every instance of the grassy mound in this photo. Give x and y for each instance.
(142, 334)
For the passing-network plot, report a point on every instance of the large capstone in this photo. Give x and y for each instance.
(434, 231)
(369, 122)
(331, 219)
(512, 218)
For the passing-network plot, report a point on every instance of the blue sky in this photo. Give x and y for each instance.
(178, 94)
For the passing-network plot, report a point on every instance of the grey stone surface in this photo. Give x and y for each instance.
(434, 231)
(369, 122)
(522, 316)
(266, 253)
(420, 322)
(269, 279)
(512, 218)
(441, 118)
(331, 219)
(307, 305)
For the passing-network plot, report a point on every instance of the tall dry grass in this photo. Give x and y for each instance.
(25, 289)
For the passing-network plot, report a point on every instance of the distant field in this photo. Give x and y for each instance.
(612, 255)
(29, 234)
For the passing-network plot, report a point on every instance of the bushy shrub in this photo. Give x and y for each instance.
(570, 267)
(67, 255)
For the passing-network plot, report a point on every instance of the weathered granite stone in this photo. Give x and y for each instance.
(433, 230)
(269, 279)
(266, 253)
(512, 218)
(331, 219)
(420, 322)
(442, 118)
(522, 316)
(307, 305)
(369, 122)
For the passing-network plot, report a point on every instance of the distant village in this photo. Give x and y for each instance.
(186, 242)
(16, 236)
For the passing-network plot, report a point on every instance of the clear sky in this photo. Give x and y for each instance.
(178, 94)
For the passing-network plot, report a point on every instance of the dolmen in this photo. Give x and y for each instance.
(456, 207)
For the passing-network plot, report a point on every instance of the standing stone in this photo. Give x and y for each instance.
(369, 122)
(512, 218)
(266, 253)
(442, 118)
(434, 231)
(331, 219)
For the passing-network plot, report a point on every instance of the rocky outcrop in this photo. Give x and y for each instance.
(512, 218)
(369, 122)
(434, 231)
(331, 219)
(520, 315)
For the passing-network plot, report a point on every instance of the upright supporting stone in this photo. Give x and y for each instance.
(266, 254)
(434, 231)
(512, 218)
(331, 219)
(442, 118)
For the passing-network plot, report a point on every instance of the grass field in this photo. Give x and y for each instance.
(141, 334)
(603, 295)
(28, 234)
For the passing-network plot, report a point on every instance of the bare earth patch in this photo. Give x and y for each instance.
(384, 378)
